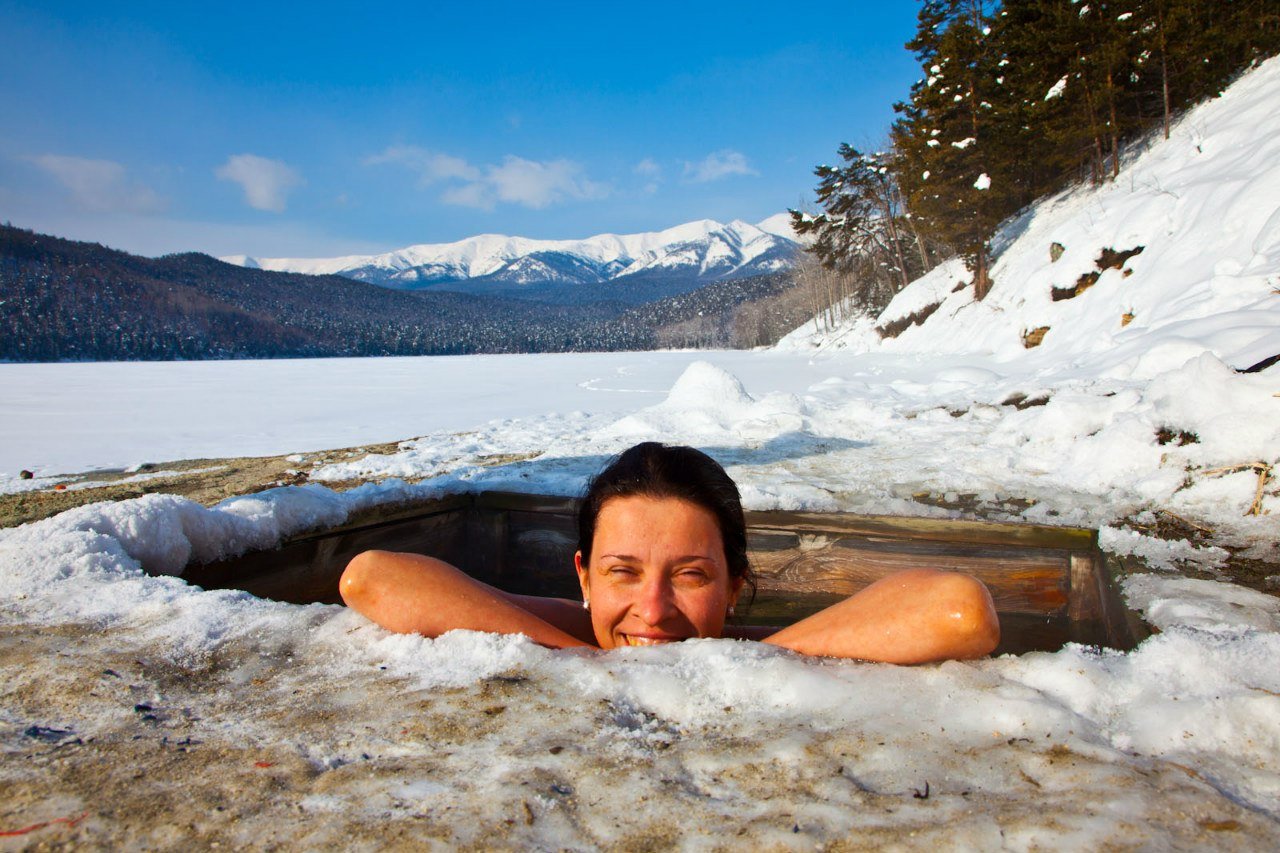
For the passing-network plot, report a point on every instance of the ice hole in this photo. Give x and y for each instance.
(1051, 585)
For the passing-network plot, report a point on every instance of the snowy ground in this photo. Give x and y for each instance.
(144, 712)
(308, 725)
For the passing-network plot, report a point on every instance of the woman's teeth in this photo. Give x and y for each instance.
(644, 641)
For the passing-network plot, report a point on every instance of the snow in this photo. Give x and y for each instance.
(779, 225)
(983, 182)
(1173, 745)
(489, 253)
(211, 409)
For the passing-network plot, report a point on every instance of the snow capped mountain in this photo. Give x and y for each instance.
(684, 257)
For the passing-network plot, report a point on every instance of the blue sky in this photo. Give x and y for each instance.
(318, 129)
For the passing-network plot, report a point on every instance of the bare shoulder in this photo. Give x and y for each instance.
(913, 616)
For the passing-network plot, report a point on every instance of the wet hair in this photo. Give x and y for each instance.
(657, 470)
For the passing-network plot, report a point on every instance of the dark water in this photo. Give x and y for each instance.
(1019, 632)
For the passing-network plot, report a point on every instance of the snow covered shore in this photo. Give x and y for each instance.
(145, 712)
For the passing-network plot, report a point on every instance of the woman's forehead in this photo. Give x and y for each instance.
(648, 521)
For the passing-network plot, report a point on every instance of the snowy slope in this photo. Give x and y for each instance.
(704, 250)
(1204, 206)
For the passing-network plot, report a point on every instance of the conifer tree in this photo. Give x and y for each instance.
(861, 216)
(1070, 65)
(1019, 98)
(945, 134)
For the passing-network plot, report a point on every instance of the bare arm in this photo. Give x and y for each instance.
(914, 616)
(413, 594)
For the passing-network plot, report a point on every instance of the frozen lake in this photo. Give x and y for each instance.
(62, 418)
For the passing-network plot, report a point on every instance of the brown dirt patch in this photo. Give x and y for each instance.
(190, 478)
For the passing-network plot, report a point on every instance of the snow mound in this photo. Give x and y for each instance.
(707, 406)
(1170, 602)
(704, 385)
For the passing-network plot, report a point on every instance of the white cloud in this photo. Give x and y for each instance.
(530, 183)
(266, 183)
(649, 168)
(99, 186)
(430, 166)
(717, 165)
(468, 195)
(537, 185)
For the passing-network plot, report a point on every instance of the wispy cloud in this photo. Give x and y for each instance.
(717, 165)
(530, 183)
(266, 183)
(537, 185)
(431, 167)
(649, 169)
(99, 186)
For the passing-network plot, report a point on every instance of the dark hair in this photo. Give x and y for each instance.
(657, 470)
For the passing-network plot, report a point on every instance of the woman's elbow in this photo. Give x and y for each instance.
(358, 581)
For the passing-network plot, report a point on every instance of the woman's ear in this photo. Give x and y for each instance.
(735, 588)
(583, 577)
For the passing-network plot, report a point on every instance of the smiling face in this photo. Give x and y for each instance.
(657, 573)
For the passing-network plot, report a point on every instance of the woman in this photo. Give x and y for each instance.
(662, 557)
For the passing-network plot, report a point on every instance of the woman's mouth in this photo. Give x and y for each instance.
(638, 640)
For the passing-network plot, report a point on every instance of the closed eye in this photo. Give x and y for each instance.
(621, 571)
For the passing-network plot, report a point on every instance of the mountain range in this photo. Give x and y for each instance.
(628, 268)
(62, 300)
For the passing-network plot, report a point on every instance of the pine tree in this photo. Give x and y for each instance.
(1016, 100)
(946, 136)
(1069, 68)
(861, 218)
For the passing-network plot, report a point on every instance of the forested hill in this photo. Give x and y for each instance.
(1018, 100)
(64, 300)
(1136, 277)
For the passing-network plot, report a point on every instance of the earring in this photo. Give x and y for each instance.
(586, 605)
(730, 609)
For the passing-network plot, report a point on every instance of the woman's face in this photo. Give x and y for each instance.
(657, 573)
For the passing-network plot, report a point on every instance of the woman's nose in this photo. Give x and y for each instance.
(656, 602)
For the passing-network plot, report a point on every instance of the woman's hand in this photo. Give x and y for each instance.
(914, 616)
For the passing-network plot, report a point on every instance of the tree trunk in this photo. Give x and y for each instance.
(924, 255)
(1115, 129)
(981, 278)
(886, 210)
(1098, 168)
(1164, 66)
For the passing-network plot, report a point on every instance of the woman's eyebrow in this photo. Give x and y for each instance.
(681, 559)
